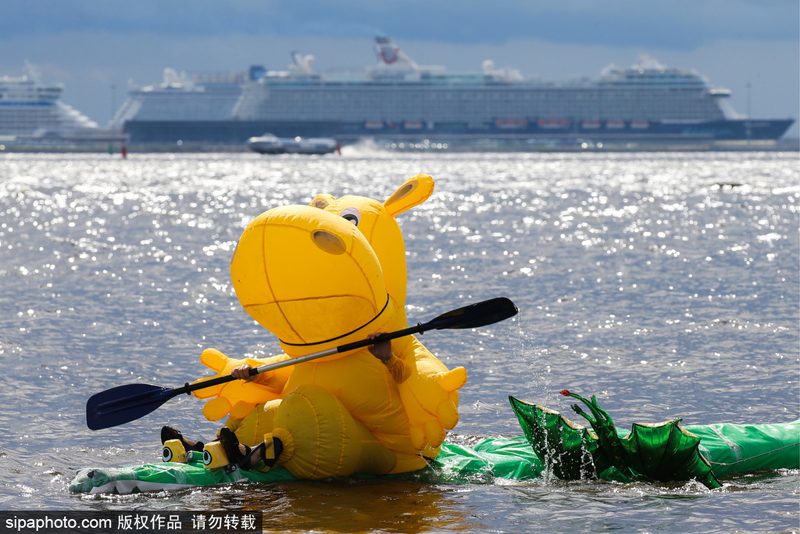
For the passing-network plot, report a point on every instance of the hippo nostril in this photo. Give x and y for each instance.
(330, 243)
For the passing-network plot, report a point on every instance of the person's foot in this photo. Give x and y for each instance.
(234, 450)
(258, 454)
(168, 433)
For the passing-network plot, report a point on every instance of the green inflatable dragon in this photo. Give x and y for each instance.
(652, 452)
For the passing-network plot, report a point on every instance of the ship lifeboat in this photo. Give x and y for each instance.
(640, 125)
(615, 125)
(373, 125)
(511, 124)
(590, 125)
(413, 125)
(553, 124)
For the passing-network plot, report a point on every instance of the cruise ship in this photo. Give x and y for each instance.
(399, 99)
(31, 112)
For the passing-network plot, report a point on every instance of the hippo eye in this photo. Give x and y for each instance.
(352, 215)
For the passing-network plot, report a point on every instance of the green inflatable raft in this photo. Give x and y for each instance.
(552, 443)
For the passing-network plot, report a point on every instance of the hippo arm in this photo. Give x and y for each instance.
(430, 396)
(239, 397)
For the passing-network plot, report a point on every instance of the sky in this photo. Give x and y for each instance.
(98, 49)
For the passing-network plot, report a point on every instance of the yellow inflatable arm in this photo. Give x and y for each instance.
(239, 397)
(430, 397)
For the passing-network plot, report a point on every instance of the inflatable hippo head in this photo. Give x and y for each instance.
(321, 278)
(310, 278)
(376, 221)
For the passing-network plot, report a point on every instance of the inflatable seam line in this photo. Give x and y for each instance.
(342, 436)
(737, 451)
(288, 445)
(385, 305)
(269, 282)
(319, 431)
(757, 455)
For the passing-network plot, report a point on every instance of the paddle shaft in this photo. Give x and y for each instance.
(126, 403)
(188, 388)
(141, 399)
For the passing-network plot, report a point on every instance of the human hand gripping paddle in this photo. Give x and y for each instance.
(122, 404)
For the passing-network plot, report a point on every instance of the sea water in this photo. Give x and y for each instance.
(664, 283)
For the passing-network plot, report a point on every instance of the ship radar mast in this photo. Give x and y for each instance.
(173, 80)
(32, 72)
(301, 64)
(649, 63)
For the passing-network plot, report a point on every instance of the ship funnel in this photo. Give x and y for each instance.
(301, 64)
(390, 55)
(500, 74)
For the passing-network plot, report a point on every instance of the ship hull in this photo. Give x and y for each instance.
(237, 132)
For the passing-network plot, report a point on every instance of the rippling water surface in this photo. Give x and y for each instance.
(667, 284)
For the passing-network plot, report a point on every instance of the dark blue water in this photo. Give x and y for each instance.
(667, 284)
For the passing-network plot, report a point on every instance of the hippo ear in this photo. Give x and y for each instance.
(321, 201)
(415, 190)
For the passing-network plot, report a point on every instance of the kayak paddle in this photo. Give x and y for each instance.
(122, 404)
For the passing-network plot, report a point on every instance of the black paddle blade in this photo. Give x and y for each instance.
(475, 315)
(122, 404)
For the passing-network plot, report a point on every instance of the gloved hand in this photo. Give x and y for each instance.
(239, 397)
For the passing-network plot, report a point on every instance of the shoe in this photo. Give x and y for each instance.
(230, 443)
(263, 456)
(169, 433)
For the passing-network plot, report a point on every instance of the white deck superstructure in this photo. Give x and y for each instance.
(30, 108)
(202, 97)
(388, 93)
(397, 98)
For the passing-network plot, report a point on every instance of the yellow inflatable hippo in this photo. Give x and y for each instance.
(318, 277)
